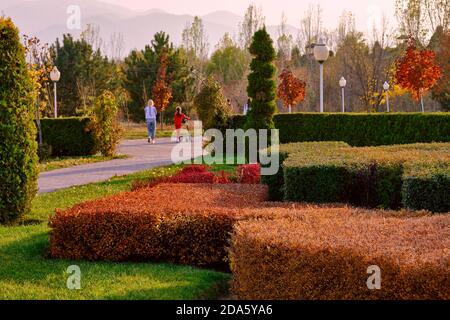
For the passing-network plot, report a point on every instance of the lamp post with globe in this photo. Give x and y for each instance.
(342, 83)
(321, 53)
(55, 76)
(386, 88)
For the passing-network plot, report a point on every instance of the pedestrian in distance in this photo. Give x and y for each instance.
(150, 119)
(179, 119)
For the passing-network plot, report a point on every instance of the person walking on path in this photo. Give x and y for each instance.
(178, 119)
(246, 107)
(150, 119)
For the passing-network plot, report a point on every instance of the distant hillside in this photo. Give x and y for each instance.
(46, 19)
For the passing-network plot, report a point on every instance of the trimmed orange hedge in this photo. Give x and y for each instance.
(179, 223)
(324, 253)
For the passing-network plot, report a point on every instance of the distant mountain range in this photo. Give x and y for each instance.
(46, 19)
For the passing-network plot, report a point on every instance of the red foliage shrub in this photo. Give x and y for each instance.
(188, 174)
(324, 253)
(249, 173)
(179, 223)
(199, 168)
(193, 177)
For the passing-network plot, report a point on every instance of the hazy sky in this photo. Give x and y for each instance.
(365, 10)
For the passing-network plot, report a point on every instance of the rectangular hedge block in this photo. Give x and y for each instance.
(325, 253)
(68, 136)
(415, 176)
(178, 223)
(360, 129)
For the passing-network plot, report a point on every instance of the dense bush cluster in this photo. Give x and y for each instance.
(104, 124)
(211, 105)
(187, 174)
(68, 136)
(179, 223)
(18, 147)
(246, 173)
(249, 173)
(416, 176)
(359, 129)
(324, 253)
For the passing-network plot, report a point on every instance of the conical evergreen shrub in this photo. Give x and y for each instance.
(261, 82)
(18, 147)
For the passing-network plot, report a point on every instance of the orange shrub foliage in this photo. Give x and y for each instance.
(324, 253)
(179, 223)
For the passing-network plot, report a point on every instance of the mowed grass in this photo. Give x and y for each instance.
(27, 273)
(139, 130)
(65, 162)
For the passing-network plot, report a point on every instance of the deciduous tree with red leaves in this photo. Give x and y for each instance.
(162, 92)
(417, 71)
(291, 89)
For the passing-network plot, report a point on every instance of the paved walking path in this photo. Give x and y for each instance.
(141, 156)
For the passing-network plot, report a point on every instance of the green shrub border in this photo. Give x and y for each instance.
(367, 181)
(360, 129)
(68, 136)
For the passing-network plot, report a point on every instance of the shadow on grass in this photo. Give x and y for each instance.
(25, 272)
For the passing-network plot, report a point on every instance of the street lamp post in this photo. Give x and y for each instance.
(342, 83)
(321, 53)
(54, 76)
(386, 88)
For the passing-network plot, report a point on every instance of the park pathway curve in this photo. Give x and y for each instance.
(141, 156)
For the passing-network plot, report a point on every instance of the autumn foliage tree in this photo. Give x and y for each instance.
(291, 89)
(417, 71)
(162, 92)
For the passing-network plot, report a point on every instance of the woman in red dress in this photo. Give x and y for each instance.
(179, 118)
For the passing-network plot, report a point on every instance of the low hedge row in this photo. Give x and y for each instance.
(275, 182)
(427, 188)
(68, 136)
(178, 223)
(325, 253)
(360, 129)
(416, 176)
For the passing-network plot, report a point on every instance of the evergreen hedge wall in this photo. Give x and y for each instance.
(68, 136)
(360, 129)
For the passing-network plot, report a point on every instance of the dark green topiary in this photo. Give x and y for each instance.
(261, 83)
(18, 147)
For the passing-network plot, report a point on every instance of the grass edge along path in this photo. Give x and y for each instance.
(25, 272)
(66, 162)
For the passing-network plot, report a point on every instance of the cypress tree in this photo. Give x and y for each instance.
(18, 146)
(261, 83)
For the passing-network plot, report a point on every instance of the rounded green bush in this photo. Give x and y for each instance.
(18, 147)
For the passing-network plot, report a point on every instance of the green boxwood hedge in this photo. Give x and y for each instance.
(68, 136)
(275, 182)
(416, 176)
(360, 129)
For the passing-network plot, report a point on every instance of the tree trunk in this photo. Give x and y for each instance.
(421, 103)
(38, 124)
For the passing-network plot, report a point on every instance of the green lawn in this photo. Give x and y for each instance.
(26, 272)
(139, 130)
(65, 162)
